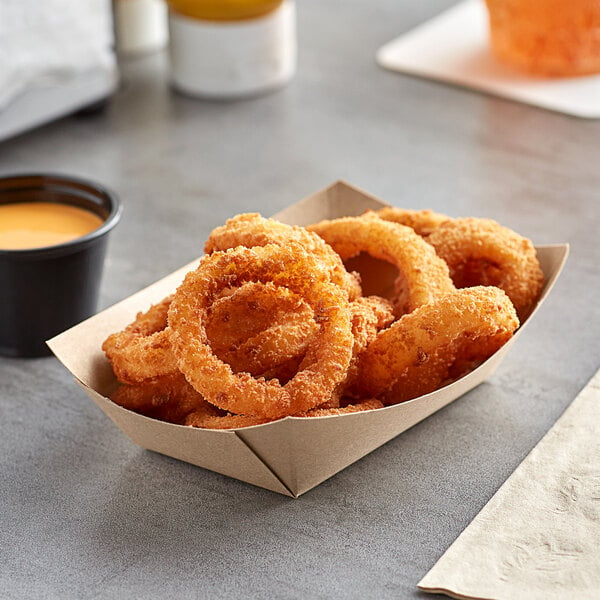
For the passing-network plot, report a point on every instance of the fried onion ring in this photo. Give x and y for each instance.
(261, 329)
(483, 252)
(437, 342)
(203, 420)
(328, 354)
(423, 222)
(423, 276)
(349, 408)
(169, 398)
(240, 313)
(264, 333)
(370, 314)
(252, 229)
(271, 324)
(142, 350)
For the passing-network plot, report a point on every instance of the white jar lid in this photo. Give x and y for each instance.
(225, 59)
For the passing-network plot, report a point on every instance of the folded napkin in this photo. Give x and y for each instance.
(539, 536)
(47, 43)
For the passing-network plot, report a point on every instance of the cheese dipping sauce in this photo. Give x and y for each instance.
(25, 225)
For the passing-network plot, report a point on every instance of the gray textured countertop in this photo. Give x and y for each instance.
(86, 514)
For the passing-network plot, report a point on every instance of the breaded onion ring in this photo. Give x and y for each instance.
(268, 341)
(252, 229)
(437, 342)
(203, 420)
(169, 398)
(327, 357)
(483, 252)
(370, 314)
(142, 350)
(423, 276)
(240, 313)
(349, 408)
(261, 329)
(423, 222)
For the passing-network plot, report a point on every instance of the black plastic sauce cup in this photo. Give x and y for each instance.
(44, 291)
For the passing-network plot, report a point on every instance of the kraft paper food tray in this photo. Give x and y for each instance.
(289, 456)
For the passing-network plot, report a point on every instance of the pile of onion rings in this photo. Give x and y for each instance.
(273, 324)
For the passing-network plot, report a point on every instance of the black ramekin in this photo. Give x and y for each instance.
(44, 291)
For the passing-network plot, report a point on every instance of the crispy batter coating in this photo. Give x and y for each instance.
(142, 350)
(262, 329)
(271, 324)
(483, 252)
(423, 222)
(370, 404)
(370, 314)
(437, 342)
(327, 357)
(422, 277)
(251, 229)
(203, 420)
(168, 398)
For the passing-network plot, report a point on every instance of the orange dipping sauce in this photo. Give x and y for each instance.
(26, 225)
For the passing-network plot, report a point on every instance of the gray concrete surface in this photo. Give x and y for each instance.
(86, 514)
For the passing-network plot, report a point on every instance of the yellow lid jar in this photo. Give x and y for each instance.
(231, 48)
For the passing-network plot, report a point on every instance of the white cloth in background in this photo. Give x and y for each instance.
(46, 42)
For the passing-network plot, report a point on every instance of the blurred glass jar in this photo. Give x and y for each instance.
(547, 37)
(140, 25)
(231, 48)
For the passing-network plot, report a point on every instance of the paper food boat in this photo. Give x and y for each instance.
(292, 455)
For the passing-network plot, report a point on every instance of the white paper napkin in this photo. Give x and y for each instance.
(49, 42)
(539, 536)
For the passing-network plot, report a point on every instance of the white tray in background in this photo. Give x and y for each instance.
(454, 48)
